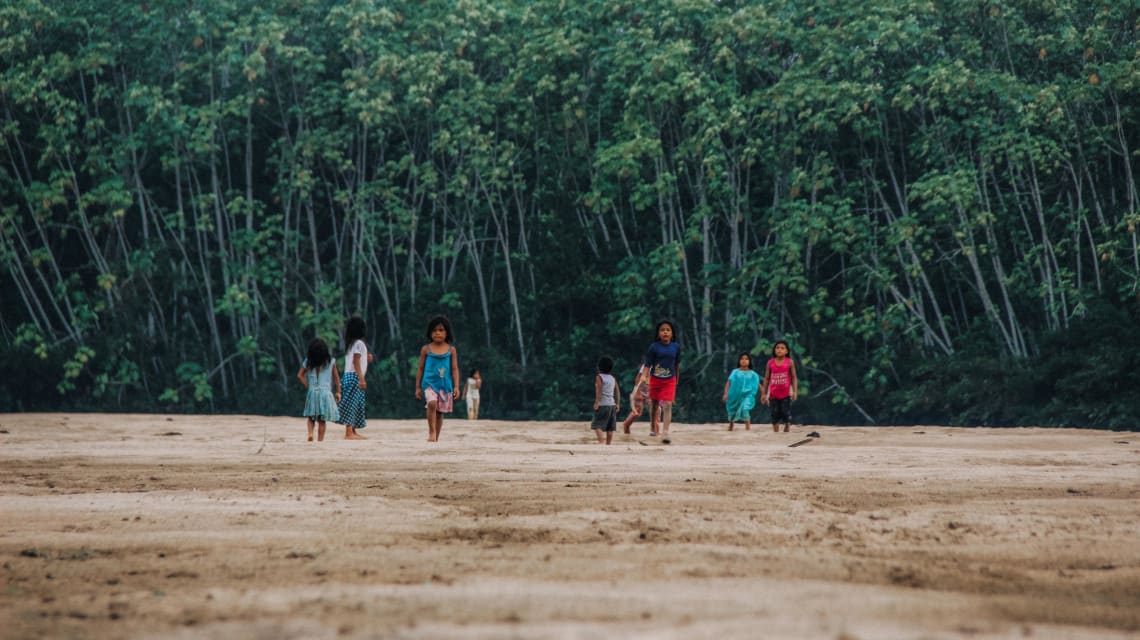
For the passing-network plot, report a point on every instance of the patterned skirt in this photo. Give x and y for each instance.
(351, 405)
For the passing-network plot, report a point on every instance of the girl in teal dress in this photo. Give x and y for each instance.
(740, 392)
(318, 374)
(437, 379)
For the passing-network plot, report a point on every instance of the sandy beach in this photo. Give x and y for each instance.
(228, 526)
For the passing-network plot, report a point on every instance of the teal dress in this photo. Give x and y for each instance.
(742, 387)
(437, 372)
(319, 402)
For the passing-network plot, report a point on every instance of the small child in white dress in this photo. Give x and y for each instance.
(471, 393)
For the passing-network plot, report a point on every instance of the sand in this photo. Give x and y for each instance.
(232, 526)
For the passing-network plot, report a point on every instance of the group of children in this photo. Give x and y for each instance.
(656, 384)
(341, 399)
(778, 389)
(318, 373)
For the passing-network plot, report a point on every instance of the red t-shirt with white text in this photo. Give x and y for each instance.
(779, 379)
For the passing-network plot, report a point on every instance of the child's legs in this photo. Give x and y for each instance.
(438, 423)
(634, 412)
(654, 415)
(599, 436)
(473, 410)
(609, 436)
(781, 412)
(320, 430)
(431, 418)
(666, 416)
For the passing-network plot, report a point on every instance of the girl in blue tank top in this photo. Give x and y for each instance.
(437, 380)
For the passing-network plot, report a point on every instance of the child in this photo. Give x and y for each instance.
(780, 386)
(740, 392)
(607, 401)
(318, 374)
(352, 382)
(471, 393)
(637, 399)
(438, 377)
(663, 361)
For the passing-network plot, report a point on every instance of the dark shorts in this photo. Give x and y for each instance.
(781, 409)
(605, 418)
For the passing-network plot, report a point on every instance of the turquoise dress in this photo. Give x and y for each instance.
(742, 387)
(319, 402)
(437, 372)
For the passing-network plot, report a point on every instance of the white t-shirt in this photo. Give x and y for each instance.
(357, 347)
(472, 389)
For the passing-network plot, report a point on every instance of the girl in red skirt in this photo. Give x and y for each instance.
(663, 361)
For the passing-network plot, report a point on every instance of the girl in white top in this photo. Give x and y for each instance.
(352, 383)
(471, 393)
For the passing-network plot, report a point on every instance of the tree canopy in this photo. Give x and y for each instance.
(932, 201)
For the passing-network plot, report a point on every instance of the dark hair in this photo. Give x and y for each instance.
(741, 355)
(318, 355)
(605, 364)
(354, 329)
(474, 370)
(435, 322)
(778, 343)
(657, 329)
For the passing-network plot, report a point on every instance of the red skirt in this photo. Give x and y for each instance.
(662, 389)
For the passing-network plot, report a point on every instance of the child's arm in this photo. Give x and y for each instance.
(420, 373)
(617, 395)
(454, 373)
(597, 391)
(336, 381)
(724, 397)
(359, 374)
(301, 377)
(795, 379)
(764, 385)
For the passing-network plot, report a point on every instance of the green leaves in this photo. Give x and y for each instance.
(199, 189)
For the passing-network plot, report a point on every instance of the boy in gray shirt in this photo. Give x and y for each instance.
(607, 401)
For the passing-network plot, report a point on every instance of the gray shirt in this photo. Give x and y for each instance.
(608, 384)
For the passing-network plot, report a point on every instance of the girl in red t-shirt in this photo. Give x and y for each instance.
(780, 386)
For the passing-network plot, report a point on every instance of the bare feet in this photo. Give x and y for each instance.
(354, 436)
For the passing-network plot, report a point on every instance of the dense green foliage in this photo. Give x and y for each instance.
(934, 201)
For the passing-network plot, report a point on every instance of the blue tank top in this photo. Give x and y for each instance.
(437, 371)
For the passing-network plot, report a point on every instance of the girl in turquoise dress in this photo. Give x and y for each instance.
(318, 374)
(740, 392)
(437, 380)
